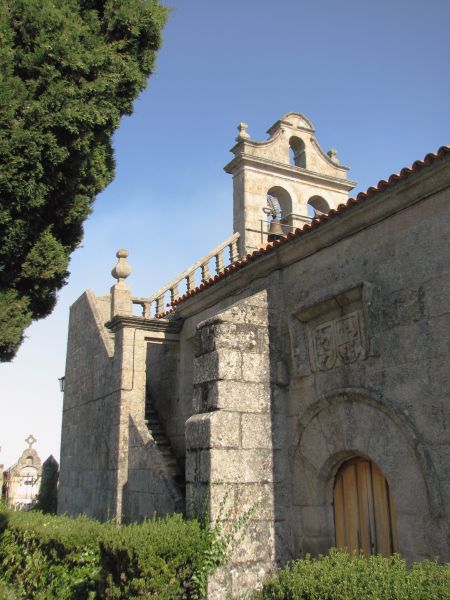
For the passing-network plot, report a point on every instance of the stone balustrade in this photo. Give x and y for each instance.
(223, 255)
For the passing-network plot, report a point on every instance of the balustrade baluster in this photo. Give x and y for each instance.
(190, 281)
(160, 305)
(234, 254)
(147, 310)
(205, 272)
(219, 261)
(174, 292)
(155, 305)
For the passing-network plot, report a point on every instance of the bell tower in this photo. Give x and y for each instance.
(291, 167)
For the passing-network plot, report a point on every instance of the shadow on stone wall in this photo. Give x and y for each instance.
(150, 487)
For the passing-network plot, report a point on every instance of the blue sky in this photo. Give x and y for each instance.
(373, 77)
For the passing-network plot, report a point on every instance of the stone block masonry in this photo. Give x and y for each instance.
(229, 440)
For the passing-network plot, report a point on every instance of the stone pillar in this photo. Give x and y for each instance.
(129, 358)
(120, 292)
(229, 441)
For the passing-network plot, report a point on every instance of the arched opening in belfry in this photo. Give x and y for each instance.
(283, 198)
(317, 206)
(297, 152)
(364, 513)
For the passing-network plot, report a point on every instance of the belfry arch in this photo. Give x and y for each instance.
(284, 198)
(317, 205)
(297, 151)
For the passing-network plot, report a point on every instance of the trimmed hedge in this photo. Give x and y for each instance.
(339, 576)
(57, 557)
(6, 592)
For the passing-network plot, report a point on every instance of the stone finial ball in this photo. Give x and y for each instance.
(122, 268)
(243, 133)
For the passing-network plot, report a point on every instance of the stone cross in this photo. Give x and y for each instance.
(30, 440)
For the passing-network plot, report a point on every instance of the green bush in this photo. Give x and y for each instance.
(57, 557)
(339, 576)
(6, 592)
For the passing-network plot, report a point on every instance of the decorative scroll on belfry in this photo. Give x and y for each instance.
(339, 341)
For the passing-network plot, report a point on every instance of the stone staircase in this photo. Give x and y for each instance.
(163, 444)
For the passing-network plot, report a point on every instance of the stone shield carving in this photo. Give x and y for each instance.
(338, 341)
(349, 341)
(335, 330)
(324, 338)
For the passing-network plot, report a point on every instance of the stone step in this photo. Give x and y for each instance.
(157, 432)
(163, 444)
(160, 441)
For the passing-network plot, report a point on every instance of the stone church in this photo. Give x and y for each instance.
(299, 371)
(22, 480)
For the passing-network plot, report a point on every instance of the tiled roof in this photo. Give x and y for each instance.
(316, 222)
(165, 314)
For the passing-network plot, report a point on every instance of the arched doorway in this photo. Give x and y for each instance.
(364, 514)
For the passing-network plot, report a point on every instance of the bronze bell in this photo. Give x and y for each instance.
(275, 230)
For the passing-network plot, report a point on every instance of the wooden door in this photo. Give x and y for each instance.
(364, 514)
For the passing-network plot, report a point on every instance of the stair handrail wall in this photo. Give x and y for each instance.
(155, 305)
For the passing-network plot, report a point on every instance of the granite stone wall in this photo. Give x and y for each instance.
(358, 340)
(90, 428)
(369, 343)
(229, 440)
(146, 484)
(111, 466)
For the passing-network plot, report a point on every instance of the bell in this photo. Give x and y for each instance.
(275, 230)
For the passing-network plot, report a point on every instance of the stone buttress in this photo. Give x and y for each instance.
(229, 440)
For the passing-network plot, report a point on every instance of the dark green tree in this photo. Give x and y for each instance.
(47, 499)
(69, 70)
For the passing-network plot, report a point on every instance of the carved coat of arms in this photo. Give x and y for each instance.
(349, 344)
(339, 341)
(324, 338)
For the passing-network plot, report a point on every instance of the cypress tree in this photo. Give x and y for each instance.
(69, 70)
(47, 498)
